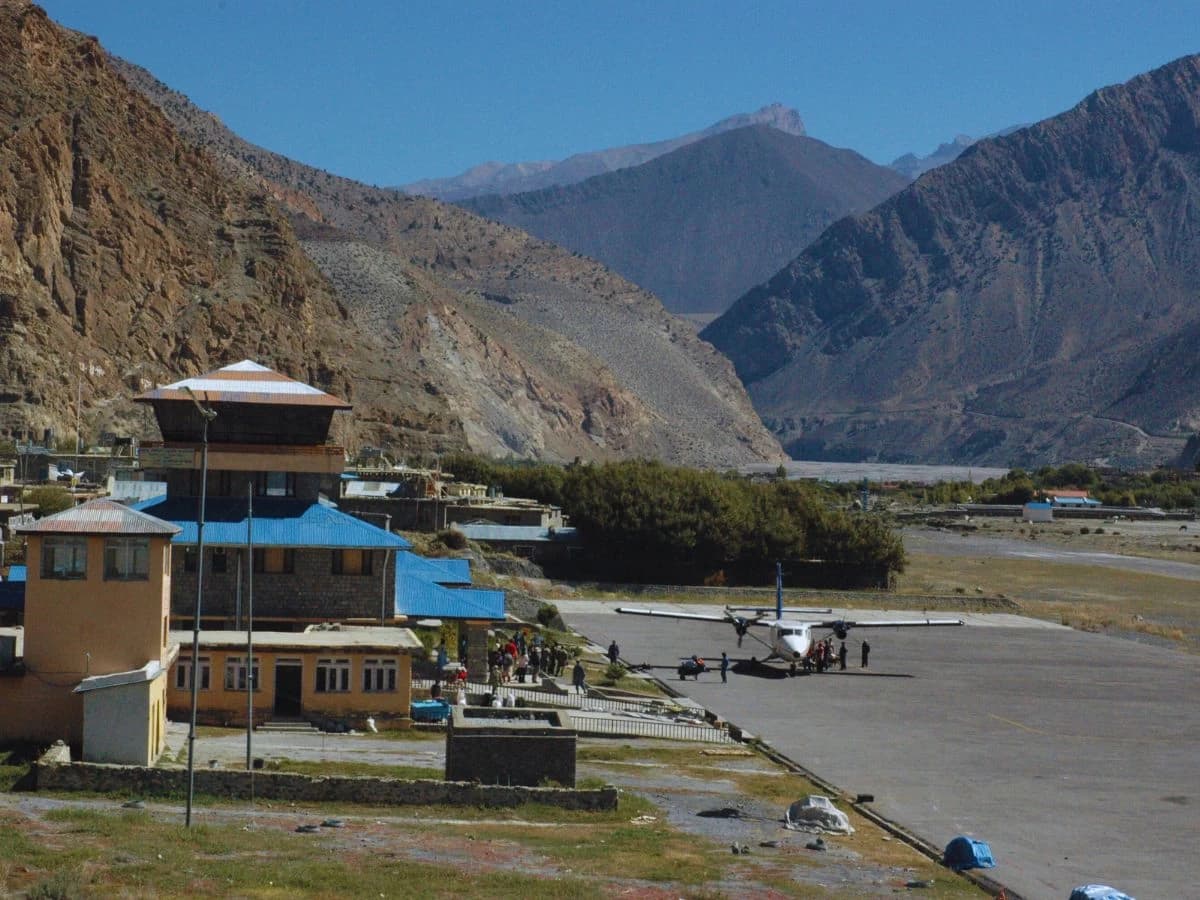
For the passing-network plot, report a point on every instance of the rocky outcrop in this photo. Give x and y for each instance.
(127, 257)
(492, 340)
(700, 225)
(1032, 301)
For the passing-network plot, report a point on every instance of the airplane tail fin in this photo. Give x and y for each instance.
(778, 590)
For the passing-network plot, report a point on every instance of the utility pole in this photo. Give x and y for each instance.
(206, 416)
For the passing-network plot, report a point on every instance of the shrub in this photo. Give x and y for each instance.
(614, 672)
(547, 614)
(453, 539)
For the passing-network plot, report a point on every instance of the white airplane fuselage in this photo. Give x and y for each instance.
(790, 641)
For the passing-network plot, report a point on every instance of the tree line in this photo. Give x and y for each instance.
(647, 521)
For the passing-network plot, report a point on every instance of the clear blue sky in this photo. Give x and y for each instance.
(389, 92)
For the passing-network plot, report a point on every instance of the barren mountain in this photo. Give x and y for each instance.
(515, 178)
(493, 340)
(701, 224)
(1032, 301)
(126, 255)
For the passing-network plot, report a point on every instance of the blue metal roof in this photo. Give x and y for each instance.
(436, 570)
(278, 522)
(12, 589)
(525, 533)
(422, 599)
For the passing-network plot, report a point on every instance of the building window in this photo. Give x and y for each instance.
(64, 557)
(235, 673)
(183, 673)
(126, 559)
(189, 559)
(352, 562)
(220, 561)
(379, 675)
(275, 560)
(333, 675)
(275, 484)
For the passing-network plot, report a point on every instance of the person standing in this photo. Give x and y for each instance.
(614, 652)
(442, 659)
(724, 667)
(842, 656)
(578, 676)
(866, 651)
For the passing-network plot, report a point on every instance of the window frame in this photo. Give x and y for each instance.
(124, 549)
(235, 674)
(333, 676)
(365, 562)
(54, 545)
(183, 673)
(379, 676)
(287, 560)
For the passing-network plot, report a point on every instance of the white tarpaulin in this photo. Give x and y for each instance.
(815, 814)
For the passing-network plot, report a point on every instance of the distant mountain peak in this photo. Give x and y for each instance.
(522, 177)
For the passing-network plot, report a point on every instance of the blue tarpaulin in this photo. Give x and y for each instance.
(1098, 892)
(967, 853)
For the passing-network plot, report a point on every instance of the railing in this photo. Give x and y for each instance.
(674, 731)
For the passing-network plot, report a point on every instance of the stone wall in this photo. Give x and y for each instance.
(138, 781)
(312, 591)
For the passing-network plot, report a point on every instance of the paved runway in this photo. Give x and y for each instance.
(1074, 755)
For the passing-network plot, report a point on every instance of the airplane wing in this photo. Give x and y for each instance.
(787, 610)
(667, 614)
(841, 626)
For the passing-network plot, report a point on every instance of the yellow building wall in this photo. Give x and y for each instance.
(33, 711)
(219, 706)
(80, 627)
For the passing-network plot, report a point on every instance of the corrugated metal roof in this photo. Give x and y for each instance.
(245, 382)
(344, 637)
(422, 599)
(525, 533)
(438, 571)
(278, 522)
(100, 517)
(137, 490)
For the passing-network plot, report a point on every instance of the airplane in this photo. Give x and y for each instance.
(789, 639)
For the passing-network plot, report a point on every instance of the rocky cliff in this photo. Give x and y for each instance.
(1032, 301)
(701, 225)
(126, 255)
(140, 246)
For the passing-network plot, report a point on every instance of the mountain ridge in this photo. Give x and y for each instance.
(513, 345)
(514, 178)
(1030, 302)
(699, 225)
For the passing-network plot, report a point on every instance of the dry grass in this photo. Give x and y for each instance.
(1092, 598)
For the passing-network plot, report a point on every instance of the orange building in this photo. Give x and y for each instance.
(96, 648)
(335, 676)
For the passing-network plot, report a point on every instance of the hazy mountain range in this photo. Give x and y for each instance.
(702, 224)
(1033, 300)
(515, 178)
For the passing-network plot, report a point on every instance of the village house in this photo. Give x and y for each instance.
(92, 669)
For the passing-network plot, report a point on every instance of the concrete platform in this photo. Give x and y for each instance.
(1074, 755)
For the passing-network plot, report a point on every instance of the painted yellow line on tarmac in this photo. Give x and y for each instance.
(1023, 727)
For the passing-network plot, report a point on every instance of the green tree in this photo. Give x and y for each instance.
(50, 498)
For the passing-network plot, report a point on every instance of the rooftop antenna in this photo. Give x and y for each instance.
(206, 415)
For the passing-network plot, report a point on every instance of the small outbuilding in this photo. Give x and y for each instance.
(1038, 511)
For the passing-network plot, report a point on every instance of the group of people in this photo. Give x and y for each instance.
(822, 655)
(519, 657)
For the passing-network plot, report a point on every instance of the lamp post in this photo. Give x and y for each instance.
(206, 416)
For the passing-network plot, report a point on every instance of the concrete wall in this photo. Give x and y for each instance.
(115, 723)
(139, 781)
(510, 746)
(40, 712)
(219, 706)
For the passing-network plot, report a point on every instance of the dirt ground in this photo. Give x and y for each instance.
(698, 793)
